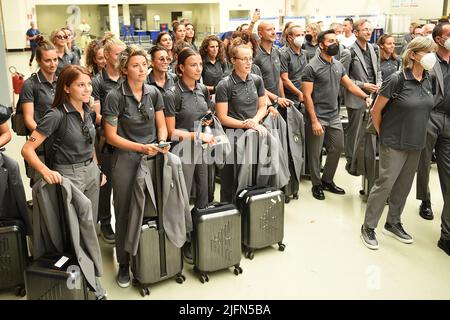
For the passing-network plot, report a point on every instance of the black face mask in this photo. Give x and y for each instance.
(332, 50)
(308, 37)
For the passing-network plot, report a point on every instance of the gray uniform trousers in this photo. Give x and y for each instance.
(333, 140)
(397, 169)
(86, 179)
(352, 131)
(104, 206)
(199, 172)
(124, 169)
(438, 138)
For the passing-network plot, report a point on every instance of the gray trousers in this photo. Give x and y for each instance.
(86, 179)
(438, 138)
(104, 206)
(333, 140)
(352, 130)
(199, 172)
(397, 169)
(124, 169)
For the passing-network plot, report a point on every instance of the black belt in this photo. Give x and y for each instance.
(75, 165)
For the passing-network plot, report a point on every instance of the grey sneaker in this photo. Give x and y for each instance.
(123, 276)
(368, 238)
(396, 231)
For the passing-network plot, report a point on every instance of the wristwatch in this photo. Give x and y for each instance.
(276, 100)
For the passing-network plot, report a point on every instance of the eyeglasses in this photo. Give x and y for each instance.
(365, 30)
(143, 113)
(163, 59)
(62, 37)
(86, 134)
(245, 60)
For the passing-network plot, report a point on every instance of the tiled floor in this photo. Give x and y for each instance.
(324, 256)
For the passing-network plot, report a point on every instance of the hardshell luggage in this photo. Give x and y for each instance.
(262, 210)
(56, 278)
(157, 258)
(216, 239)
(13, 255)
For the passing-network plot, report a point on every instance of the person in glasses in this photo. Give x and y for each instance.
(95, 59)
(59, 38)
(106, 80)
(160, 77)
(186, 104)
(71, 44)
(70, 123)
(165, 40)
(134, 123)
(38, 92)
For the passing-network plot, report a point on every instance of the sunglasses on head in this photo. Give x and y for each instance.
(86, 134)
(143, 112)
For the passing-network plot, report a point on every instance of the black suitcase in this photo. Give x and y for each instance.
(56, 278)
(293, 186)
(13, 255)
(367, 185)
(262, 210)
(216, 239)
(157, 259)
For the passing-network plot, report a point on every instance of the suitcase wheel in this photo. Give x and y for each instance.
(237, 270)
(204, 278)
(144, 291)
(281, 246)
(361, 192)
(180, 278)
(20, 291)
(249, 254)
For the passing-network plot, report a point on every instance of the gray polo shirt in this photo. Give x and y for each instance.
(102, 84)
(310, 50)
(241, 96)
(389, 66)
(326, 78)
(67, 58)
(444, 105)
(187, 106)
(213, 72)
(270, 66)
(136, 120)
(171, 80)
(46, 94)
(77, 142)
(405, 118)
(293, 64)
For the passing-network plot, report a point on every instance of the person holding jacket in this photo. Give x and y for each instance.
(401, 120)
(134, 123)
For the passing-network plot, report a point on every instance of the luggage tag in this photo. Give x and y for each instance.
(61, 262)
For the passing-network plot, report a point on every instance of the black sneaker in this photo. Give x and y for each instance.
(425, 210)
(396, 231)
(187, 253)
(108, 234)
(123, 277)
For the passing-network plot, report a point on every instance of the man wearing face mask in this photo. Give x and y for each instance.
(268, 60)
(364, 70)
(320, 86)
(438, 137)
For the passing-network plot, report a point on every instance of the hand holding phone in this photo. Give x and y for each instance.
(164, 144)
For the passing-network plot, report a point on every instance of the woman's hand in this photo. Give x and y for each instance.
(50, 176)
(150, 149)
(208, 138)
(103, 179)
(262, 131)
(273, 111)
(250, 124)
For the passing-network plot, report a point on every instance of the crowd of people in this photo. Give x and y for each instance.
(126, 103)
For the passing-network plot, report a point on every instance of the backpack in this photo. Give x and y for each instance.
(17, 119)
(179, 99)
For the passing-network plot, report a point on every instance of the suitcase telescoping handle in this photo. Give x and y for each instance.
(67, 245)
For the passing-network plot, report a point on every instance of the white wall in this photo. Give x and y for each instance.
(16, 22)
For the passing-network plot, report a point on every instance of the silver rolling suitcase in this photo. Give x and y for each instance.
(216, 239)
(262, 210)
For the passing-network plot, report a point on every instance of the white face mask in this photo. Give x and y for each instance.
(429, 36)
(428, 61)
(298, 41)
(340, 37)
(447, 44)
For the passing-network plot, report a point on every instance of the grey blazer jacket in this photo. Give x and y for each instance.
(436, 73)
(13, 203)
(177, 219)
(296, 140)
(47, 233)
(357, 72)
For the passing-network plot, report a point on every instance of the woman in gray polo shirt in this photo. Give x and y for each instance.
(240, 104)
(401, 120)
(134, 124)
(70, 125)
(160, 77)
(215, 66)
(60, 39)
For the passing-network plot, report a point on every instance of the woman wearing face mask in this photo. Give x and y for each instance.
(311, 44)
(215, 66)
(389, 61)
(400, 116)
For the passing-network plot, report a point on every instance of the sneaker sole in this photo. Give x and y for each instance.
(372, 247)
(393, 235)
(123, 285)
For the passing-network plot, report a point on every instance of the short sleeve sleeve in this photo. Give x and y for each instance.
(222, 91)
(112, 103)
(50, 122)
(389, 85)
(27, 95)
(284, 59)
(96, 88)
(308, 74)
(169, 103)
(260, 86)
